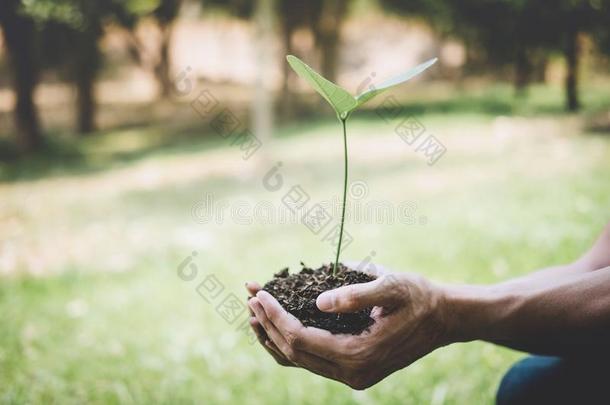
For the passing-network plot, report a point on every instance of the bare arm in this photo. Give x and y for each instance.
(563, 310)
(544, 312)
(597, 257)
(567, 314)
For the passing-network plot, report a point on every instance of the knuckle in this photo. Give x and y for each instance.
(390, 281)
(293, 339)
(398, 288)
(351, 296)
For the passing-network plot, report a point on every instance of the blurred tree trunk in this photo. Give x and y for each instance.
(539, 69)
(572, 55)
(20, 37)
(85, 71)
(291, 16)
(262, 105)
(162, 68)
(287, 31)
(165, 15)
(522, 73)
(327, 31)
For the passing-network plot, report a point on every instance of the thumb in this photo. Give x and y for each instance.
(352, 298)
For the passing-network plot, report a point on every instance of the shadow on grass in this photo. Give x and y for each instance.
(101, 151)
(63, 155)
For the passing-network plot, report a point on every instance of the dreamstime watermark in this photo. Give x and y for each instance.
(212, 210)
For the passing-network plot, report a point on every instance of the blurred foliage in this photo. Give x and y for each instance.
(79, 14)
(500, 27)
(519, 33)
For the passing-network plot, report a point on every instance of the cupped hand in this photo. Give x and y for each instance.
(409, 323)
(253, 288)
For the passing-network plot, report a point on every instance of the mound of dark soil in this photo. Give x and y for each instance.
(297, 293)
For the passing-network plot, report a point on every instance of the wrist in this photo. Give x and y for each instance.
(473, 312)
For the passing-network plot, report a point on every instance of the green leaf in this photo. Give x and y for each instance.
(394, 81)
(338, 98)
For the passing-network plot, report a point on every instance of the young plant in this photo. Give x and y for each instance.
(344, 103)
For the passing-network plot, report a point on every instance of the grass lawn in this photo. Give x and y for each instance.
(93, 309)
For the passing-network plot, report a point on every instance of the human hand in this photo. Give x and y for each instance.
(253, 288)
(409, 323)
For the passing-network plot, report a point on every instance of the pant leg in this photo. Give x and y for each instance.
(553, 380)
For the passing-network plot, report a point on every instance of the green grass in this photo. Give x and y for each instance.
(93, 310)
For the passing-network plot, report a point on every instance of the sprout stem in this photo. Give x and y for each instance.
(335, 269)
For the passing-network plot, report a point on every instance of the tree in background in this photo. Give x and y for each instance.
(158, 60)
(326, 27)
(324, 20)
(165, 14)
(20, 37)
(519, 33)
(293, 14)
(72, 33)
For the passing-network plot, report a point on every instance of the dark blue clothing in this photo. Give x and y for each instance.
(553, 380)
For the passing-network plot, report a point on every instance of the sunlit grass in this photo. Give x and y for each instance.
(94, 311)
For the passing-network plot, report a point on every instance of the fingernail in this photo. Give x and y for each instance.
(325, 301)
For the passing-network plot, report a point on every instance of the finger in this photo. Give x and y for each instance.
(263, 338)
(272, 332)
(300, 358)
(253, 287)
(260, 333)
(309, 361)
(352, 298)
(312, 340)
(269, 346)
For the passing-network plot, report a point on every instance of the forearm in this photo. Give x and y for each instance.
(562, 314)
(595, 258)
(589, 262)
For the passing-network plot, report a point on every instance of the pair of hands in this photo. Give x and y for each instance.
(408, 312)
(413, 317)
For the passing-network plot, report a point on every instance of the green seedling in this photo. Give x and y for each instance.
(344, 104)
